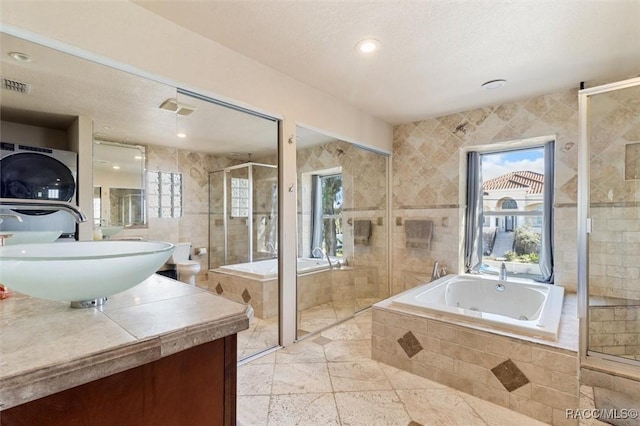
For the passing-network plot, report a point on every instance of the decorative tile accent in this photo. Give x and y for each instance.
(510, 375)
(219, 289)
(414, 423)
(410, 344)
(246, 296)
(322, 340)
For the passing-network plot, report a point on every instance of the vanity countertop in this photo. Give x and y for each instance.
(47, 347)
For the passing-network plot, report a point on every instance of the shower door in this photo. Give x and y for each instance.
(610, 210)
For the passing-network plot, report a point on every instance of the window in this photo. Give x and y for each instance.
(513, 189)
(239, 197)
(165, 194)
(327, 231)
(97, 205)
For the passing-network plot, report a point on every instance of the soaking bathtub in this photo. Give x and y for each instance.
(527, 308)
(268, 269)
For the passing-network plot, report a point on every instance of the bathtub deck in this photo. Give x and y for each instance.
(533, 376)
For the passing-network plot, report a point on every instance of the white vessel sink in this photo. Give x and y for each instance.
(30, 237)
(110, 231)
(80, 271)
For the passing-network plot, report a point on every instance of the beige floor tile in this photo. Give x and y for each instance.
(269, 358)
(305, 351)
(439, 407)
(496, 415)
(330, 378)
(303, 409)
(348, 350)
(348, 330)
(262, 340)
(357, 376)
(255, 379)
(402, 380)
(316, 325)
(371, 408)
(365, 328)
(301, 378)
(270, 324)
(252, 410)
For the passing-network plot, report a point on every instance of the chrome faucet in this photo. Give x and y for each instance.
(314, 252)
(52, 205)
(436, 271)
(322, 254)
(272, 249)
(503, 272)
(13, 215)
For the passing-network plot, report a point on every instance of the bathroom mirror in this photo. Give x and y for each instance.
(342, 229)
(119, 184)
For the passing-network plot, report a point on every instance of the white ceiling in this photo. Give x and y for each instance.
(435, 54)
(124, 107)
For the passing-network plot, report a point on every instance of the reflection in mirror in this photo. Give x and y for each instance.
(233, 193)
(73, 102)
(165, 194)
(342, 230)
(118, 180)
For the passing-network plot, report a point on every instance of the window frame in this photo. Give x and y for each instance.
(496, 148)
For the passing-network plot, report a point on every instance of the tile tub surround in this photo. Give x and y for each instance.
(340, 286)
(349, 388)
(47, 347)
(532, 376)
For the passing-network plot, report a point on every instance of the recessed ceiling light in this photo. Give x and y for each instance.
(494, 84)
(20, 57)
(116, 167)
(137, 157)
(181, 135)
(368, 45)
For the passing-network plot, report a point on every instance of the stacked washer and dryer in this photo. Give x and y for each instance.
(37, 173)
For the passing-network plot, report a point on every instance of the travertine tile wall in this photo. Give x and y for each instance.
(337, 286)
(536, 380)
(426, 176)
(614, 255)
(193, 226)
(615, 330)
(364, 180)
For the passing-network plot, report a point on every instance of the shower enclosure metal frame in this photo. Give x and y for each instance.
(587, 357)
(225, 219)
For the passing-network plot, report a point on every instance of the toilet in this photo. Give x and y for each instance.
(187, 269)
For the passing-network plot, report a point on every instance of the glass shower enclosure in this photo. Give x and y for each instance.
(609, 223)
(243, 214)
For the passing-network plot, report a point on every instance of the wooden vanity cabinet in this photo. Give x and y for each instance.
(194, 387)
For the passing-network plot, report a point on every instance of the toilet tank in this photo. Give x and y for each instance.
(181, 253)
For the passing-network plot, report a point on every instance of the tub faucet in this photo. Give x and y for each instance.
(50, 205)
(272, 249)
(314, 252)
(322, 254)
(436, 271)
(503, 272)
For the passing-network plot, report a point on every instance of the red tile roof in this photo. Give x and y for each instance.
(517, 180)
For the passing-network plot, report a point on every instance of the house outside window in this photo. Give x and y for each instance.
(513, 204)
(326, 229)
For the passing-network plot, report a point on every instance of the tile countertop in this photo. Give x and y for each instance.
(47, 346)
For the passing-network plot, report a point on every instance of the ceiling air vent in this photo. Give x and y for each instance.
(177, 107)
(15, 86)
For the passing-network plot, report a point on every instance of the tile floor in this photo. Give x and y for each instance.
(263, 333)
(330, 379)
